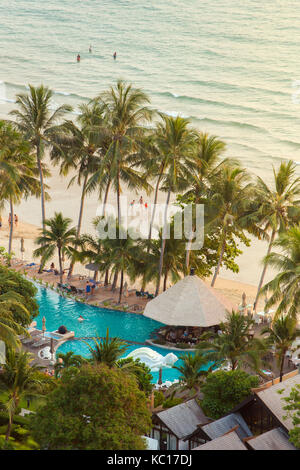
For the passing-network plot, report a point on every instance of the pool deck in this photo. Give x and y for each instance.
(36, 337)
(103, 297)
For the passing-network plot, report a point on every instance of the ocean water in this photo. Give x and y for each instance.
(231, 67)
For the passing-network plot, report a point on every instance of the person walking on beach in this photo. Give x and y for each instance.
(9, 219)
(16, 220)
(141, 201)
(78, 57)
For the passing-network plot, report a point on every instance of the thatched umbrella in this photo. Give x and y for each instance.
(190, 302)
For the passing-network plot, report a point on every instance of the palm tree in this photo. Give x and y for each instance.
(208, 151)
(13, 315)
(57, 234)
(277, 207)
(285, 285)
(193, 370)
(20, 380)
(80, 148)
(38, 124)
(282, 334)
(235, 343)
(17, 170)
(229, 197)
(125, 113)
(122, 258)
(176, 143)
(107, 350)
(67, 360)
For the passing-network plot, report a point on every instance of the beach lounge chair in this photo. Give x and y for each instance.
(136, 307)
(28, 341)
(41, 342)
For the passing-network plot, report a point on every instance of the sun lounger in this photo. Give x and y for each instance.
(41, 342)
(136, 307)
(28, 341)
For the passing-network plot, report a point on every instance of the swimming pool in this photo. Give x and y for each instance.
(59, 311)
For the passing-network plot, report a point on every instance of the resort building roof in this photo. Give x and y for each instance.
(223, 425)
(190, 302)
(272, 398)
(182, 420)
(276, 439)
(230, 441)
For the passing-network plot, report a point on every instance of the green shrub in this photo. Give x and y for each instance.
(22, 420)
(170, 402)
(183, 346)
(224, 390)
(159, 341)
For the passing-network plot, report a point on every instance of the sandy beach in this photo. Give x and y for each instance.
(64, 199)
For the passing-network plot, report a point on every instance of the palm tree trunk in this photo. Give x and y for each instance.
(121, 286)
(154, 207)
(114, 284)
(105, 197)
(219, 262)
(11, 226)
(165, 280)
(264, 270)
(163, 245)
(39, 164)
(106, 277)
(60, 265)
(9, 426)
(281, 367)
(83, 194)
(188, 251)
(118, 199)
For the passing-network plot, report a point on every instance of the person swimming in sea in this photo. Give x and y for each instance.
(115, 55)
(78, 57)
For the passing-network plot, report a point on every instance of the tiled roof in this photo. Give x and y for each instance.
(272, 397)
(183, 419)
(276, 439)
(230, 441)
(223, 425)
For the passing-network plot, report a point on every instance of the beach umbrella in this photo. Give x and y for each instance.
(44, 326)
(92, 267)
(22, 247)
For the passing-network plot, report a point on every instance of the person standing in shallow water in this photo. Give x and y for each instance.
(90, 49)
(115, 55)
(78, 57)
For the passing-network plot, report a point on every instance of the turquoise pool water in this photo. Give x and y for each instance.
(129, 326)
